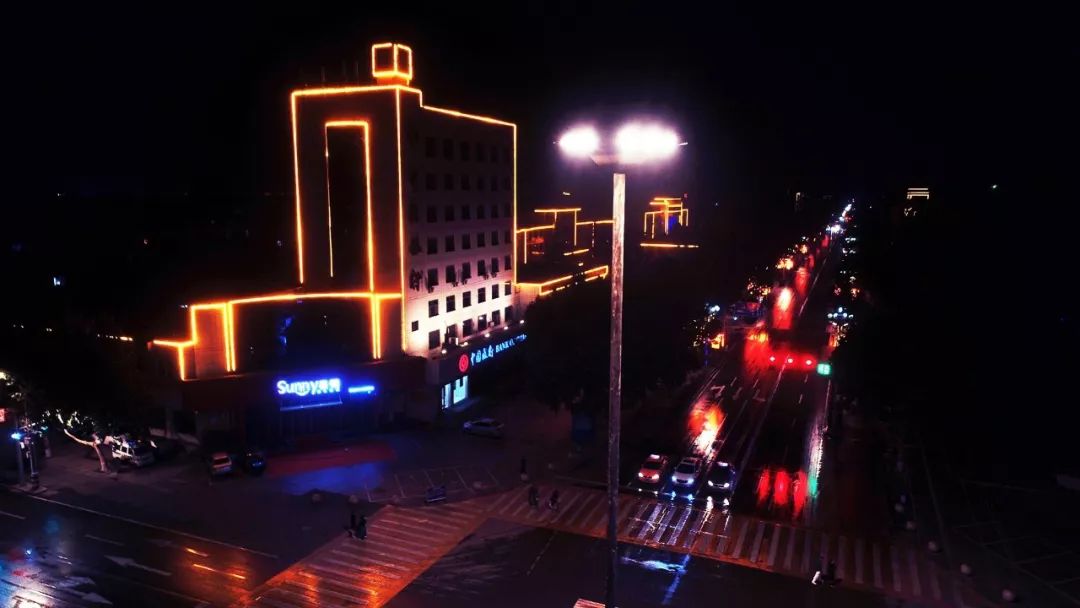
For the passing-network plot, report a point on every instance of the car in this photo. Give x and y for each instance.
(219, 463)
(253, 460)
(652, 469)
(686, 473)
(721, 479)
(134, 452)
(486, 427)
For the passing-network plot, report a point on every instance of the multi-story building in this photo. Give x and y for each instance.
(562, 251)
(405, 223)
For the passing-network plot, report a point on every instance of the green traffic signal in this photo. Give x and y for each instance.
(824, 369)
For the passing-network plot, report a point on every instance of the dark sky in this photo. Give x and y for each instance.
(122, 97)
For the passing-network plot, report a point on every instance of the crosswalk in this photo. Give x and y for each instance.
(401, 544)
(886, 566)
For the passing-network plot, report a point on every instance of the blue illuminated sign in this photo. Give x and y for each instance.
(484, 353)
(363, 389)
(314, 386)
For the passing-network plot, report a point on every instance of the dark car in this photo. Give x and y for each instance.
(253, 460)
(721, 480)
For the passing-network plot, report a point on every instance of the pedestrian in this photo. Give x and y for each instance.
(553, 501)
(524, 471)
(361, 528)
(352, 523)
(534, 497)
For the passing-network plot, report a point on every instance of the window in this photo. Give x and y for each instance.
(506, 262)
(414, 245)
(494, 237)
(480, 152)
(480, 212)
(506, 292)
(508, 313)
(432, 279)
(414, 213)
(481, 239)
(451, 304)
(494, 154)
(494, 183)
(466, 212)
(481, 323)
(448, 213)
(506, 209)
(494, 292)
(466, 241)
(416, 326)
(464, 151)
(506, 154)
(466, 299)
(481, 296)
(464, 182)
(451, 274)
(432, 245)
(506, 238)
(466, 272)
(432, 214)
(506, 182)
(467, 327)
(451, 331)
(448, 182)
(480, 183)
(412, 179)
(432, 308)
(494, 212)
(496, 317)
(494, 265)
(431, 181)
(448, 149)
(429, 147)
(433, 339)
(481, 268)
(448, 244)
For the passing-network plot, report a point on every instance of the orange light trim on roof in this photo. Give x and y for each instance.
(669, 246)
(532, 228)
(181, 362)
(401, 210)
(365, 127)
(576, 251)
(396, 72)
(557, 210)
(487, 119)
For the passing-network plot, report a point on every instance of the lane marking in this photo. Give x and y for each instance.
(877, 567)
(800, 398)
(756, 547)
(104, 540)
(859, 561)
(662, 527)
(772, 546)
(152, 526)
(742, 538)
(807, 377)
(12, 515)
(790, 549)
(756, 383)
(915, 585)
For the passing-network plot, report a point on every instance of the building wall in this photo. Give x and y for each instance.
(459, 213)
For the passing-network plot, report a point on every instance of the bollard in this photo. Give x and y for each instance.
(965, 569)
(1008, 595)
(933, 546)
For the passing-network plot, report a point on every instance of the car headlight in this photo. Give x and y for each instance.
(710, 483)
(656, 477)
(727, 484)
(640, 475)
(673, 478)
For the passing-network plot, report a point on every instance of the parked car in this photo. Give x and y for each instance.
(134, 452)
(486, 427)
(685, 477)
(253, 460)
(219, 463)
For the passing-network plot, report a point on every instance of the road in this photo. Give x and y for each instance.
(508, 564)
(59, 555)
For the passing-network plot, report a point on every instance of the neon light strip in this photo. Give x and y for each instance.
(401, 213)
(329, 212)
(309, 406)
(365, 127)
(575, 252)
(557, 210)
(364, 388)
(669, 246)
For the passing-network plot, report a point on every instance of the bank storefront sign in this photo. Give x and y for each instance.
(487, 352)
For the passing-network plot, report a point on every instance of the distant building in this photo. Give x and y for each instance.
(562, 251)
(405, 220)
(666, 225)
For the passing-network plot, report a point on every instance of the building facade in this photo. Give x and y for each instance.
(405, 219)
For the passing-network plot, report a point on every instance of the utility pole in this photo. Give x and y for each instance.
(618, 231)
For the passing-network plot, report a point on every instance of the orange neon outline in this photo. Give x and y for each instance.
(181, 362)
(396, 72)
(602, 272)
(557, 210)
(401, 213)
(576, 252)
(669, 245)
(364, 126)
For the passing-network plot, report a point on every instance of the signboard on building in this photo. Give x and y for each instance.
(487, 352)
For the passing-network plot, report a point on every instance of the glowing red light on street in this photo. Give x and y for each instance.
(772, 358)
(790, 360)
(780, 488)
(763, 486)
(798, 494)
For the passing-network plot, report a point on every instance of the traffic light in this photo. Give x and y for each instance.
(824, 369)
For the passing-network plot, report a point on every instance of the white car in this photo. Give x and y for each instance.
(487, 427)
(686, 473)
(136, 453)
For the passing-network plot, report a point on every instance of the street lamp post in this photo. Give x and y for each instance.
(634, 144)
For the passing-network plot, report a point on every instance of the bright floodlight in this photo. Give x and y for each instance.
(637, 143)
(582, 141)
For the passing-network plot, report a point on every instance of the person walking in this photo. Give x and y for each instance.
(534, 497)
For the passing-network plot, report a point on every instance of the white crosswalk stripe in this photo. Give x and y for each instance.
(790, 555)
(758, 535)
(742, 537)
(773, 545)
